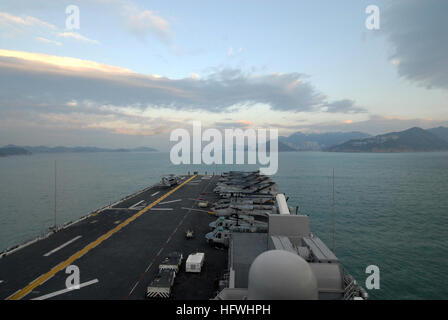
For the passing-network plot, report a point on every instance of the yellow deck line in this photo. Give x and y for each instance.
(43, 278)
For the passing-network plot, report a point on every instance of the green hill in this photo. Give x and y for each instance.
(411, 140)
(441, 132)
(13, 151)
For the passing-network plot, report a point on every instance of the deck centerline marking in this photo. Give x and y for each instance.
(155, 193)
(46, 276)
(145, 272)
(155, 257)
(57, 293)
(164, 245)
(62, 246)
(135, 285)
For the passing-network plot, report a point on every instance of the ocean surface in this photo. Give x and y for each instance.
(391, 210)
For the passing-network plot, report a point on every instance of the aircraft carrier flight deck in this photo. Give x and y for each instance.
(118, 249)
(231, 236)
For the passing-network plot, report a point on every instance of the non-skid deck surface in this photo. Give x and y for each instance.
(119, 249)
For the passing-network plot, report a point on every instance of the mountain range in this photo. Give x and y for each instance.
(11, 149)
(317, 141)
(411, 140)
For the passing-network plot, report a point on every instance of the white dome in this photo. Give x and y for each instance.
(281, 275)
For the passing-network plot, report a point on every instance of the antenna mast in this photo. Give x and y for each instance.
(55, 189)
(332, 210)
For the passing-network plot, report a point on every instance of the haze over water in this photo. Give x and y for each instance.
(391, 209)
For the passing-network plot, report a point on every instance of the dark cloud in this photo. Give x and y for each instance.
(221, 91)
(343, 106)
(376, 124)
(230, 125)
(418, 32)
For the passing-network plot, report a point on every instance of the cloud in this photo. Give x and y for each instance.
(343, 106)
(60, 79)
(83, 115)
(195, 76)
(246, 122)
(7, 19)
(44, 40)
(77, 36)
(55, 63)
(135, 126)
(142, 23)
(375, 124)
(418, 32)
(36, 26)
(232, 52)
(63, 93)
(232, 124)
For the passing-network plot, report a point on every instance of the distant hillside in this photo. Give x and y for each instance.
(282, 147)
(414, 139)
(441, 132)
(44, 149)
(12, 151)
(318, 141)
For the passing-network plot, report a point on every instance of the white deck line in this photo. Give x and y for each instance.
(61, 246)
(161, 209)
(57, 293)
(166, 202)
(134, 205)
(65, 226)
(155, 193)
(195, 209)
(125, 198)
(25, 244)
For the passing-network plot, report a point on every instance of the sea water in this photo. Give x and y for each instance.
(391, 210)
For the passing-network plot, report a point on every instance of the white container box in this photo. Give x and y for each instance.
(194, 262)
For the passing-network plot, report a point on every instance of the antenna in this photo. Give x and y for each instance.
(55, 189)
(332, 209)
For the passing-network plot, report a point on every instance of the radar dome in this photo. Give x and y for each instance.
(281, 275)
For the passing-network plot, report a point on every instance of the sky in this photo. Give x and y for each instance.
(136, 70)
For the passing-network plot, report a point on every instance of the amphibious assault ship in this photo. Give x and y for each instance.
(254, 246)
